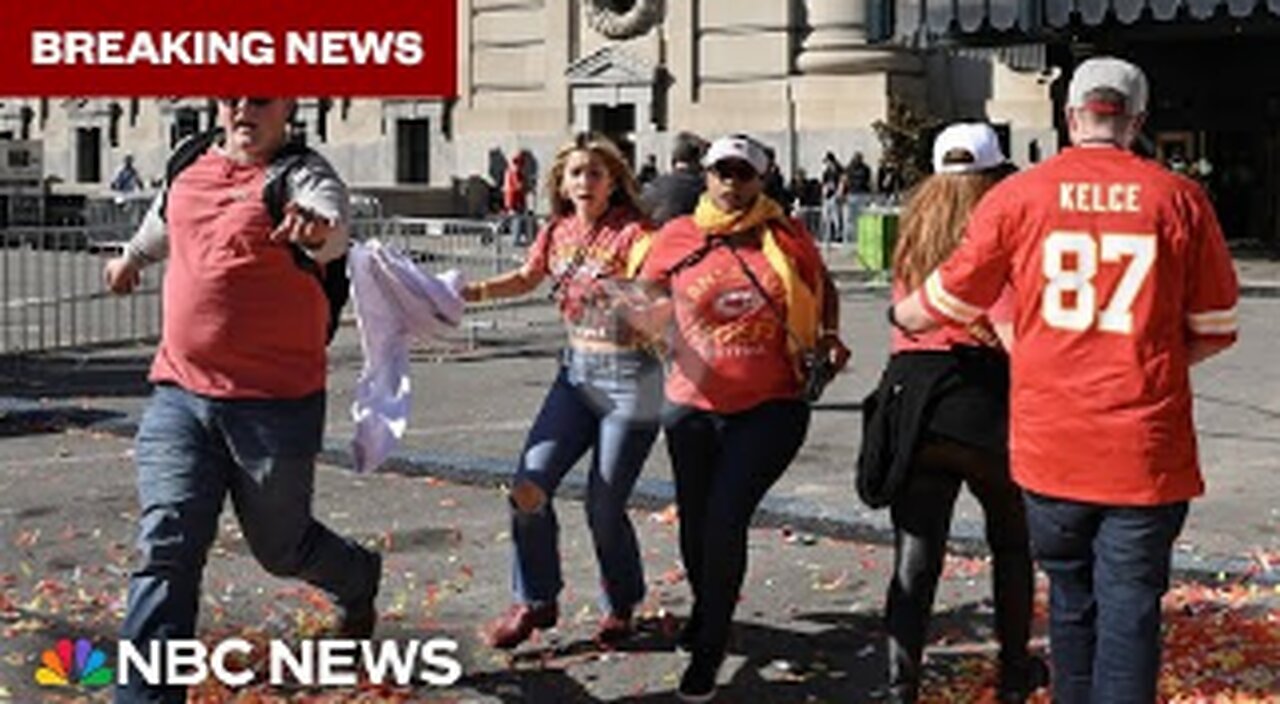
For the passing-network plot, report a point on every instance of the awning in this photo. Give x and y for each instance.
(929, 21)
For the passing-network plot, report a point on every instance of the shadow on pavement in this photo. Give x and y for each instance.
(56, 419)
(844, 661)
(64, 375)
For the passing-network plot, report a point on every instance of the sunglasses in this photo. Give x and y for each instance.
(734, 169)
(233, 101)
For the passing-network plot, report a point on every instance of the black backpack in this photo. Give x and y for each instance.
(333, 277)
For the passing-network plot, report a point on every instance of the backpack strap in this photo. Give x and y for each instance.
(184, 155)
(275, 193)
(708, 244)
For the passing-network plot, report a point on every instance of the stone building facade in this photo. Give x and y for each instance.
(799, 74)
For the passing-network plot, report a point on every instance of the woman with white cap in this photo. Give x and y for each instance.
(755, 324)
(942, 408)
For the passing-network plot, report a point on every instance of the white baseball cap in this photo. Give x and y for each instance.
(1110, 74)
(976, 138)
(737, 146)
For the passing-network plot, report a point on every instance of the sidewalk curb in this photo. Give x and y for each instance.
(777, 511)
(852, 522)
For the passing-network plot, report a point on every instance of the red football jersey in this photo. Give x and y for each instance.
(1116, 264)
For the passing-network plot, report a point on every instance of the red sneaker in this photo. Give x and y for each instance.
(520, 621)
(614, 627)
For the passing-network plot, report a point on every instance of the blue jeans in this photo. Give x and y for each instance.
(724, 464)
(609, 402)
(1108, 568)
(191, 452)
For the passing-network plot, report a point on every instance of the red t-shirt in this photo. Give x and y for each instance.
(241, 318)
(730, 348)
(578, 257)
(1116, 264)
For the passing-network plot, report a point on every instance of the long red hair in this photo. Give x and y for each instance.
(934, 218)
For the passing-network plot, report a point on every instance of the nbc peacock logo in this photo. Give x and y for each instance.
(66, 664)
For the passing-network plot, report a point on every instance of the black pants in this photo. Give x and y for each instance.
(921, 515)
(724, 465)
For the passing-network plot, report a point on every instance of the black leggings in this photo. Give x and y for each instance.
(921, 515)
(724, 465)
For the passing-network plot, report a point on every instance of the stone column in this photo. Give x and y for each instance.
(837, 41)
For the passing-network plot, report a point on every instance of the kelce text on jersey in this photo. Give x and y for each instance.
(1098, 198)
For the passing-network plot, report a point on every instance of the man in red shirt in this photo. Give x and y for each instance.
(1122, 281)
(239, 402)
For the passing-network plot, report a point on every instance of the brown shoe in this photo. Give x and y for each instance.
(520, 621)
(614, 627)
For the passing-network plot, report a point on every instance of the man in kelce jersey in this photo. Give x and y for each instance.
(1122, 281)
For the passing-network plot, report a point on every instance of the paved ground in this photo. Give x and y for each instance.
(472, 407)
(807, 629)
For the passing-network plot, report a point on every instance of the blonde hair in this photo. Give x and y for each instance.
(626, 191)
(934, 218)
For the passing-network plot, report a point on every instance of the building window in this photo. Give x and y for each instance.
(113, 124)
(413, 150)
(28, 115)
(88, 154)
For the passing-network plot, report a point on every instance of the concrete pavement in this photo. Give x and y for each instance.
(807, 627)
(472, 406)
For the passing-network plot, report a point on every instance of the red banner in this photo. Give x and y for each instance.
(198, 47)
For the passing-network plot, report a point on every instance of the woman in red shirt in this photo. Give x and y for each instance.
(960, 377)
(750, 297)
(606, 395)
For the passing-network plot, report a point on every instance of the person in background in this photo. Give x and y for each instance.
(960, 376)
(239, 403)
(127, 179)
(775, 186)
(749, 296)
(648, 171)
(515, 186)
(676, 193)
(605, 397)
(833, 198)
(1122, 281)
(858, 174)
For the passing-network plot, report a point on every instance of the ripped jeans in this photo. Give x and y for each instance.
(609, 403)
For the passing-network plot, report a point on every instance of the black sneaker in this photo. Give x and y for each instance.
(1017, 684)
(357, 621)
(698, 684)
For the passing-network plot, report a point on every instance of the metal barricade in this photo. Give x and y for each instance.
(53, 296)
(477, 248)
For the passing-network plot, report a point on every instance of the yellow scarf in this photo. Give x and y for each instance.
(803, 304)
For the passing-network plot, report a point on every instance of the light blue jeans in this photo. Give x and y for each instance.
(609, 403)
(191, 452)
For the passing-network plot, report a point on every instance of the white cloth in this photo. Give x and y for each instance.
(395, 302)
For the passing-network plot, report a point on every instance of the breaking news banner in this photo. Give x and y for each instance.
(279, 48)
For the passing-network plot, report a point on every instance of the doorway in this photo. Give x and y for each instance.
(413, 150)
(618, 123)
